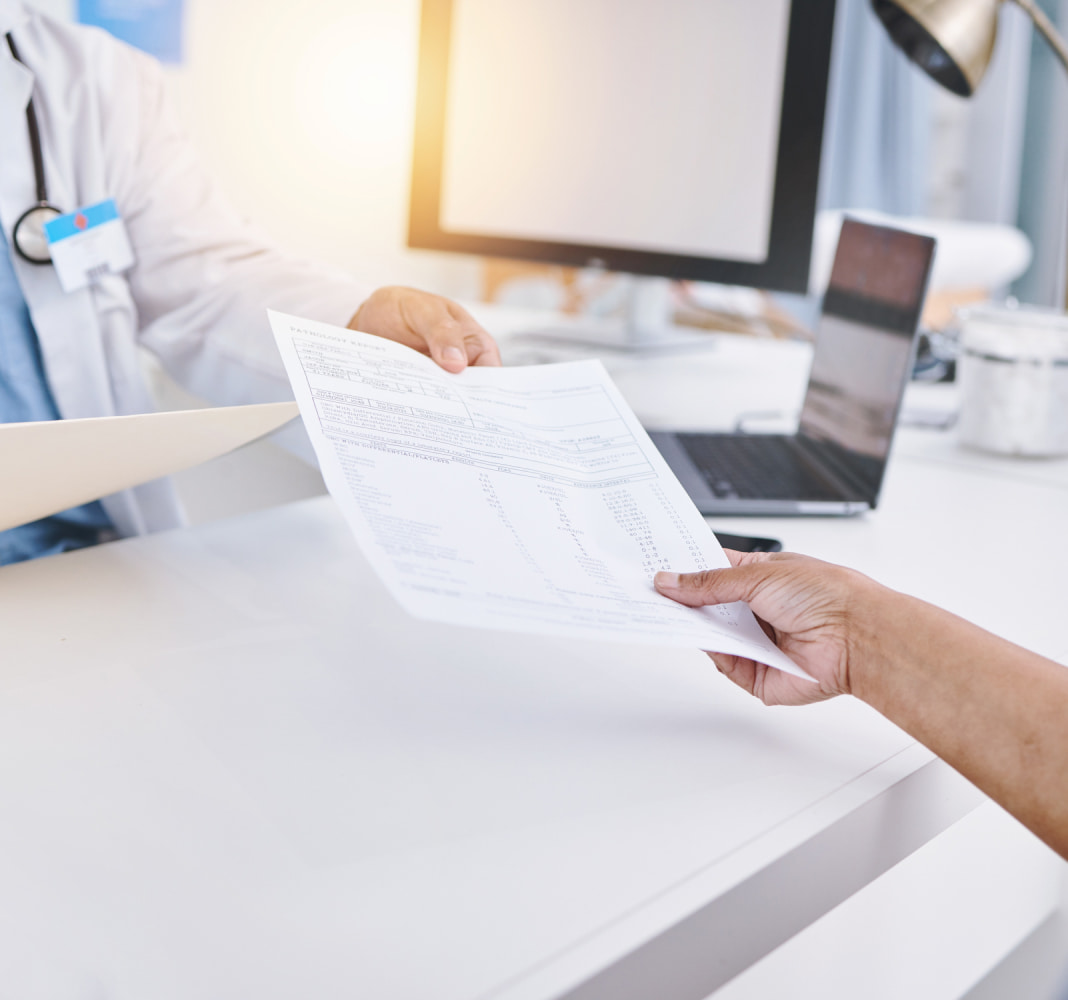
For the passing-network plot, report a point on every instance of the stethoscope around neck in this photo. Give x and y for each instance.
(29, 234)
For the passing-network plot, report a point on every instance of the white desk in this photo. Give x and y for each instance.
(231, 767)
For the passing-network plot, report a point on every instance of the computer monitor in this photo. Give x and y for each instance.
(678, 138)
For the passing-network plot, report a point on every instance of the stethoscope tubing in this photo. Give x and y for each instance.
(42, 208)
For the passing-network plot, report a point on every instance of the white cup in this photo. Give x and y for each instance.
(1013, 374)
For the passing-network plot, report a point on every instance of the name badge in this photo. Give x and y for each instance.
(87, 244)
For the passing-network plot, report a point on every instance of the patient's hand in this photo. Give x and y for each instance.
(811, 609)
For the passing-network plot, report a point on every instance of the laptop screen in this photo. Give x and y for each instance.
(864, 343)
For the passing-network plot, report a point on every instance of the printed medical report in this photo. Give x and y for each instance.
(526, 499)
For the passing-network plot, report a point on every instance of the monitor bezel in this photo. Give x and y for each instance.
(801, 125)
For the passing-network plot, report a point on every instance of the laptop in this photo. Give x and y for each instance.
(865, 344)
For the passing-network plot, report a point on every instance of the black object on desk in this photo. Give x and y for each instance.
(748, 543)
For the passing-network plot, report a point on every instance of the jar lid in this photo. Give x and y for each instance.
(1002, 333)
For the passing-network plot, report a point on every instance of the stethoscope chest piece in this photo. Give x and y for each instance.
(29, 237)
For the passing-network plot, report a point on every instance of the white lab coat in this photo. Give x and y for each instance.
(197, 294)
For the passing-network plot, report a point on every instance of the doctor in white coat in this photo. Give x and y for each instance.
(202, 277)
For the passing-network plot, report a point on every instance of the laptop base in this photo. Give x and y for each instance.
(708, 503)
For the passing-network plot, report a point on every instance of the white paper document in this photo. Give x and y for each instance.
(527, 499)
(48, 466)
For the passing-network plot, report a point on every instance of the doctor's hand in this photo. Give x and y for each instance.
(813, 611)
(429, 323)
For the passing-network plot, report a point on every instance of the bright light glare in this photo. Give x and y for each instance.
(354, 90)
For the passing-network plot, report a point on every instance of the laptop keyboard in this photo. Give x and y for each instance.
(757, 467)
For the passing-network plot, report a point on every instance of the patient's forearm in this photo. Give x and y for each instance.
(994, 711)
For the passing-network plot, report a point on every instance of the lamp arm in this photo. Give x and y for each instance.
(1048, 31)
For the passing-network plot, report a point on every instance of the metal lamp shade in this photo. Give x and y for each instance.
(951, 40)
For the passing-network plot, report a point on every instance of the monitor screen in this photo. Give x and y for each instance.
(670, 137)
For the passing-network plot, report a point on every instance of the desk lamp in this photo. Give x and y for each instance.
(952, 40)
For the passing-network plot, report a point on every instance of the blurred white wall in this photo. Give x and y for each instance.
(305, 112)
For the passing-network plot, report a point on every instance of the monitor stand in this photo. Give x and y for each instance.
(644, 329)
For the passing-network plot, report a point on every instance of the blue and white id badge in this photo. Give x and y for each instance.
(87, 244)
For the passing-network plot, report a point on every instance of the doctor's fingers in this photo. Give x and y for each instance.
(452, 336)
(428, 323)
(437, 326)
(481, 348)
